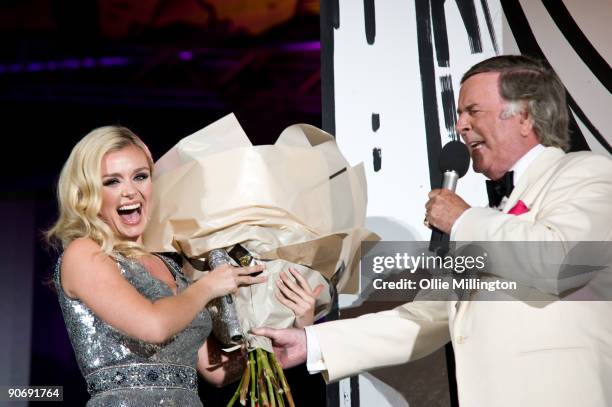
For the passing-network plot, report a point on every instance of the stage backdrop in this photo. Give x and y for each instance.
(390, 78)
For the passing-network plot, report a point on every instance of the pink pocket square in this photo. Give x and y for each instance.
(519, 209)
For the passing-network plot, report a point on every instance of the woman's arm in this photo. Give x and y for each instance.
(218, 367)
(91, 276)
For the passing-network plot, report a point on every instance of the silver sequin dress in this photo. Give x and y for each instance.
(123, 371)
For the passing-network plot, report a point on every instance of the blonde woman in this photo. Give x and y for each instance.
(138, 330)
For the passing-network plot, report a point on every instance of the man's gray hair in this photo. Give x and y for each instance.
(525, 82)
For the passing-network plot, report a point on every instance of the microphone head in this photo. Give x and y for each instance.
(455, 157)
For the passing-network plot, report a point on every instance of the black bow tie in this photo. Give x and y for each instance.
(497, 190)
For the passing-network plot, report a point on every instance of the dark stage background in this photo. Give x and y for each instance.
(165, 69)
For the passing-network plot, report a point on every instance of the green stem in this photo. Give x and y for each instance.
(268, 374)
(282, 378)
(244, 383)
(236, 394)
(262, 391)
(253, 384)
(259, 375)
(271, 392)
(267, 369)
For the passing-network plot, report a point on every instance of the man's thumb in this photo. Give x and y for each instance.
(264, 331)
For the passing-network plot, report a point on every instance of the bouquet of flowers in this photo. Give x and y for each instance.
(297, 203)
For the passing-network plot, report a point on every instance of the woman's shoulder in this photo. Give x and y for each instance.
(83, 251)
(82, 258)
(81, 246)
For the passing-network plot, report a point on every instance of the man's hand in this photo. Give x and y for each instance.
(289, 344)
(443, 209)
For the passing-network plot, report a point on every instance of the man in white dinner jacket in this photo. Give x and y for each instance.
(513, 117)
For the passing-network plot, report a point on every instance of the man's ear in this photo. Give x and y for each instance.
(526, 123)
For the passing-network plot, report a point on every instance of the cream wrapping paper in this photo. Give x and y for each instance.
(297, 203)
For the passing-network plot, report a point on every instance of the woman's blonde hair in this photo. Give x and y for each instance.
(79, 191)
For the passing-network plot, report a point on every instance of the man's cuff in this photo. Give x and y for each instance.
(455, 226)
(314, 358)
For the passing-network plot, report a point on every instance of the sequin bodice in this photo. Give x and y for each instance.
(123, 371)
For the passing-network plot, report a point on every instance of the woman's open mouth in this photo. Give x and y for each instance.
(130, 214)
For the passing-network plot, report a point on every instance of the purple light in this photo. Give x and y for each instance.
(35, 67)
(88, 62)
(71, 64)
(185, 55)
(113, 61)
(307, 46)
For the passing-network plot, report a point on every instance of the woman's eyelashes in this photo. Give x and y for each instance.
(110, 181)
(141, 176)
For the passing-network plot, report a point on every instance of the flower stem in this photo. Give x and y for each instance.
(282, 378)
(262, 391)
(253, 384)
(236, 393)
(263, 382)
(244, 383)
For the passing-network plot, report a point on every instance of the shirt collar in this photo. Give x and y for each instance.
(521, 165)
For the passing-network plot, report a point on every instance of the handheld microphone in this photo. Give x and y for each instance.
(454, 163)
(226, 325)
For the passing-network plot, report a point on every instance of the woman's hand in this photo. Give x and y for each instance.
(298, 296)
(226, 279)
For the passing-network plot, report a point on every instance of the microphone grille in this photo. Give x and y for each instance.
(455, 157)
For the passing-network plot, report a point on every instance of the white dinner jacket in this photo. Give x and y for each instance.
(508, 353)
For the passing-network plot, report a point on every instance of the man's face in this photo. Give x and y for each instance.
(495, 142)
